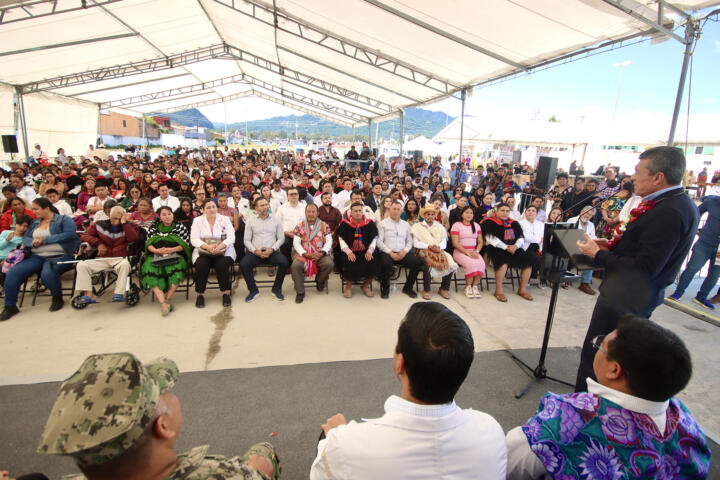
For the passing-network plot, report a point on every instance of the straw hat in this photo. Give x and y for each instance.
(428, 208)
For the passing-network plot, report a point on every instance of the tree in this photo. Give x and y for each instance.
(282, 134)
(553, 119)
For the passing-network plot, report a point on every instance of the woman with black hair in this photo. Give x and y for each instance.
(467, 241)
(504, 237)
(51, 238)
(185, 214)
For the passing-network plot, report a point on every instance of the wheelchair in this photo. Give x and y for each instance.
(104, 279)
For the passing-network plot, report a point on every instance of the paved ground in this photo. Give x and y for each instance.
(38, 346)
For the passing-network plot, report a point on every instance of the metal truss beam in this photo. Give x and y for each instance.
(303, 78)
(444, 34)
(125, 85)
(172, 92)
(310, 102)
(299, 108)
(67, 44)
(129, 69)
(298, 28)
(208, 102)
(658, 24)
(21, 11)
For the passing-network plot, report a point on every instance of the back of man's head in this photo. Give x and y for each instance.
(656, 362)
(438, 349)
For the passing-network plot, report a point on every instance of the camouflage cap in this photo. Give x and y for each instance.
(104, 407)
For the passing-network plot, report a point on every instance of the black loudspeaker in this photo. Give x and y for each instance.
(517, 156)
(10, 143)
(417, 154)
(375, 152)
(547, 167)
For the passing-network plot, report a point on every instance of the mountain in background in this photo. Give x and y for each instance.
(190, 118)
(417, 122)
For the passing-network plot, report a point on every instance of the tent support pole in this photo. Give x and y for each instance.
(402, 131)
(463, 95)
(690, 29)
(99, 128)
(370, 142)
(22, 123)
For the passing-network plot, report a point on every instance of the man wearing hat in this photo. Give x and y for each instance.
(118, 420)
(430, 241)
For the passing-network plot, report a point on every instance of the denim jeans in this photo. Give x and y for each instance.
(587, 276)
(49, 274)
(701, 253)
(250, 260)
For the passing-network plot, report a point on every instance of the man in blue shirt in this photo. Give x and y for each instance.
(704, 251)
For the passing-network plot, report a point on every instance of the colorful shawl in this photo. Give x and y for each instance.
(357, 245)
(585, 436)
(312, 241)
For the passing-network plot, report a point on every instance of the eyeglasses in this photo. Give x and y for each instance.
(597, 342)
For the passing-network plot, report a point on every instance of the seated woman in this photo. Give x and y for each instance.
(533, 231)
(17, 208)
(411, 212)
(51, 237)
(50, 181)
(144, 215)
(504, 236)
(467, 241)
(185, 213)
(357, 236)
(213, 237)
(169, 239)
(131, 200)
(584, 223)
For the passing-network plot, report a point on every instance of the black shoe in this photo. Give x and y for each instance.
(320, 286)
(57, 304)
(299, 297)
(200, 301)
(410, 292)
(385, 294)
(226, 300)
(8, 312)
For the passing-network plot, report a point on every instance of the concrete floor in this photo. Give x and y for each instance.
(38, 346)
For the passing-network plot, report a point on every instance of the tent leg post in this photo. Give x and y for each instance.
(22, 123)
(462, 125)
(690, 29)
(402, 131)
(370, 142)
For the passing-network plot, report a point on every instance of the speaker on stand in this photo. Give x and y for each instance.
(545, 175)
(10, 145)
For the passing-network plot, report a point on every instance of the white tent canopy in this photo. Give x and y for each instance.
(351, 62)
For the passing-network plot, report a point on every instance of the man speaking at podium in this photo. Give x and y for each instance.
(645, 254)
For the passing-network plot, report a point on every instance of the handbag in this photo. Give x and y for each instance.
(160, 260)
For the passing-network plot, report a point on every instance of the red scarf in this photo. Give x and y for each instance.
(358, 245)
(505, 224)
(635, 213)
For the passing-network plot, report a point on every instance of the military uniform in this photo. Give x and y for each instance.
(107, 405)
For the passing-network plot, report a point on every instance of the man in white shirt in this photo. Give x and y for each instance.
(356, 197)
(396, 248)
(165, 199)
(628, 425)
(291, 214)
(423, 433)
(96, 203)
(342, 200)
(278, 193)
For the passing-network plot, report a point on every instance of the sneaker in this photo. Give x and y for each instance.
(704, 302)
(226, 302)
(476, 292)
(252, 296)
(118, 297)
(277, 294)
(8, 312)
(676, 296)
(200, 301)
(469, 292)
(299, 297)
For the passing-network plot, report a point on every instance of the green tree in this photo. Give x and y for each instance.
(553, 119)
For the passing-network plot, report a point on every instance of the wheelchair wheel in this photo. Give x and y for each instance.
(77, 304)
(132, 297)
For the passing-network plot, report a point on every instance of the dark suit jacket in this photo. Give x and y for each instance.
(650, 253)
(370, 202)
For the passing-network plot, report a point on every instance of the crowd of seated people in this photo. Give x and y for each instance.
(231, 207)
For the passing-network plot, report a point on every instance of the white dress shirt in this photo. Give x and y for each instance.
(341, 199)
(201, 229)
(532, 232)
(241, 207)
(394, 236)
(170, 201)
(290, 216)
(588, 227)
(413, 441)
(63, 208)
(279, 195)
(524, 464)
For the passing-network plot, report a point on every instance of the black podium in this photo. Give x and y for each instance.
(559, 249)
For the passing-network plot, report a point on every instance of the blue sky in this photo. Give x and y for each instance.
(584, 87)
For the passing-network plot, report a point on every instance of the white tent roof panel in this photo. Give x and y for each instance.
(396, 52)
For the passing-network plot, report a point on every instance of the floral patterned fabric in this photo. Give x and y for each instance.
(584, 436)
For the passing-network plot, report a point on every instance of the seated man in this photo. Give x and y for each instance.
(430, 240)
(62, 207)
(135, 421)
(423, 433)
(111, 238)
(264, 236)
(628, 425)
(312, 241)
(165, 199)
(395, 245)
(96, 203)
(356, 197)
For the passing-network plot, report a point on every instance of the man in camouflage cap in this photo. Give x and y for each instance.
(118, 420)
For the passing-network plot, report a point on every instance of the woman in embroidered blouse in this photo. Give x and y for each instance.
(504, 236)
(467, 240)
